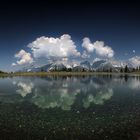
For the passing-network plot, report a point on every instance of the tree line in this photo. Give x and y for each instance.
(127, 69)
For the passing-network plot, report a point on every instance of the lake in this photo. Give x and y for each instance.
(98, 107)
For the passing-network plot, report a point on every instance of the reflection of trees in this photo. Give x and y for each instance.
(131, 82)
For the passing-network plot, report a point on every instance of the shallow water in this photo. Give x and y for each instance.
(100, 107)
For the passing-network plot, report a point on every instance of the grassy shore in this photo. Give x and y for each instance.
(63, 73)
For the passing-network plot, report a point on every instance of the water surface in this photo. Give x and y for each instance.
(100, 107)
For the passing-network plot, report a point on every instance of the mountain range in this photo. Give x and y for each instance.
(100, 65)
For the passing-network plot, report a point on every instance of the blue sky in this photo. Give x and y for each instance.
(113, 22)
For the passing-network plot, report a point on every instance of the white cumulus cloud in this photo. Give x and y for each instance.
(24, 58)
(50, 47)
(98, 47)
(135, 61)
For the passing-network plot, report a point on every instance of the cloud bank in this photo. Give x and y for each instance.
(62, 48)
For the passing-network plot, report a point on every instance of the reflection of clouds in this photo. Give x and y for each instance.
(98, 99)
(102, 96)
(60, 98)
(134, 84)
(24, 88)
(65, 92)
(14, 82)
(61, 92)
(53, 93)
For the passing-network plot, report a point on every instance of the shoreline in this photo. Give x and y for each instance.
(65, 74)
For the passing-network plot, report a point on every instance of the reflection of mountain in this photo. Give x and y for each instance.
(99, 65)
